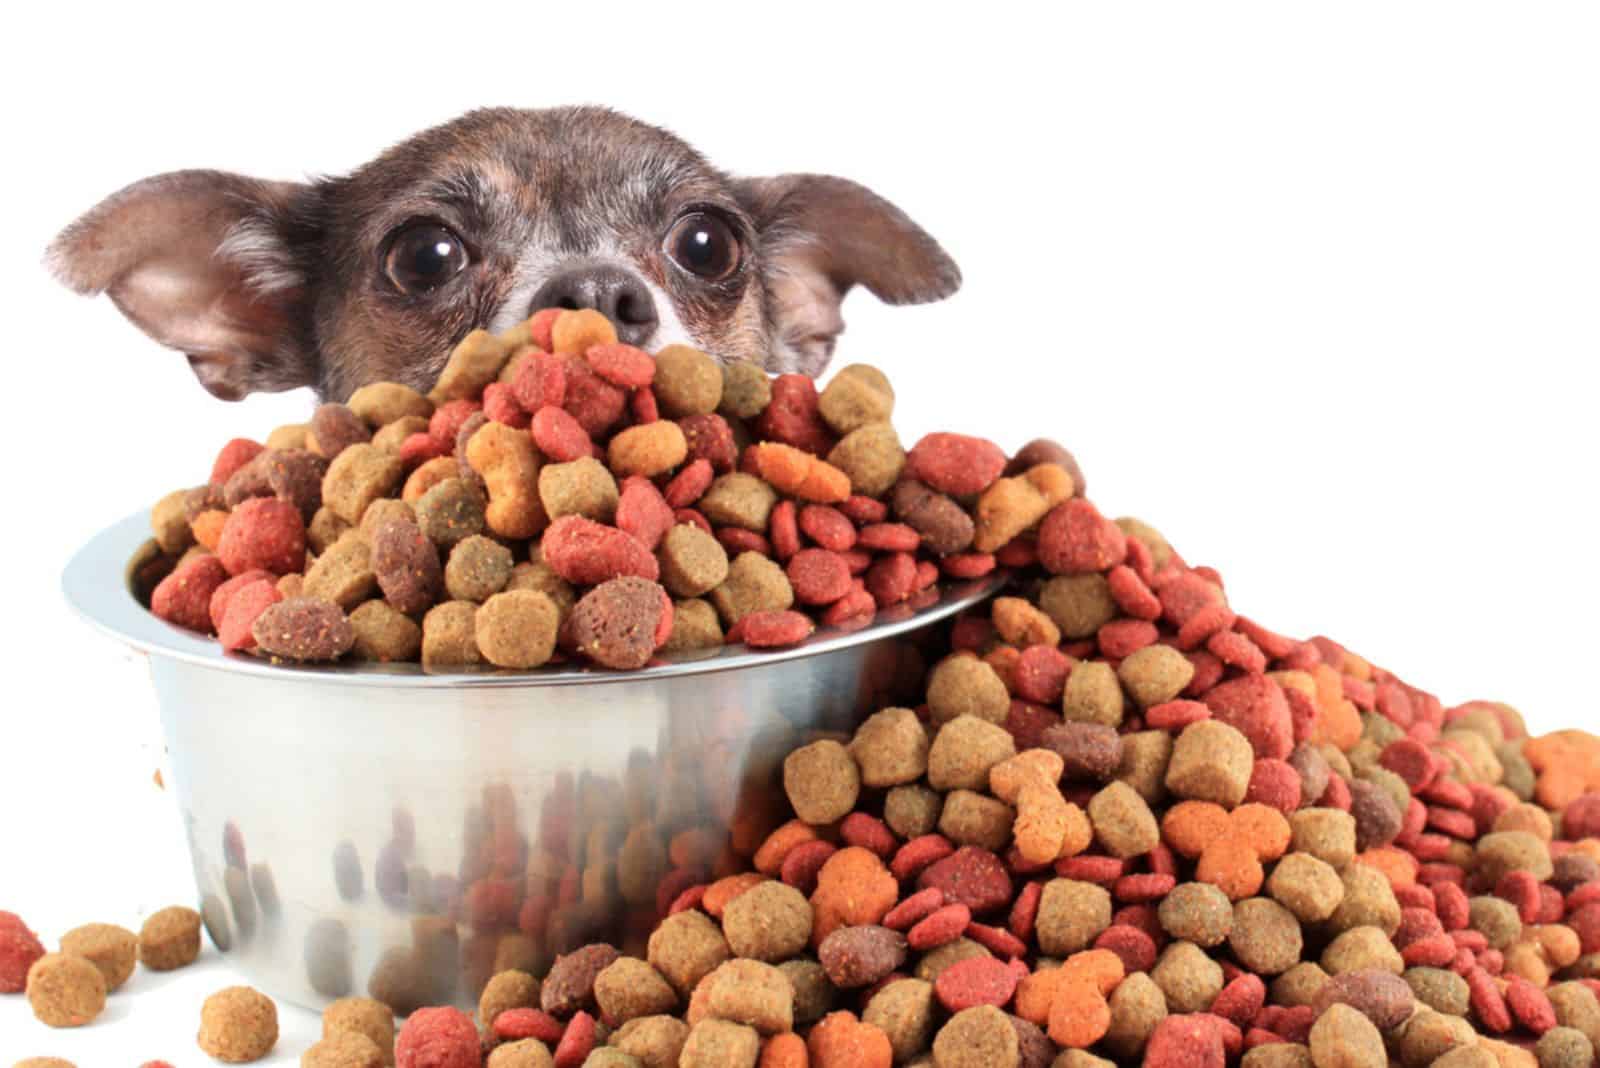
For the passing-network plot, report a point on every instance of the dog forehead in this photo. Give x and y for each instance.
(570, 172)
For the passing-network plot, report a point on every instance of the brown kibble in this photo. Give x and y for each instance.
(746, 390)
(381, 403)
(1211, 761)
(912, 810)
(770, 922)
(1266, 936)
(821, 781)
(1022, 624)
(1361, 949)
(383, 634)
(1093, 695)
(326, 528)
(1071, 916)
(429, 475)
(973, 819)
(687, 382)
(739, 500)
(1190, 980)
(890, 748)
(391, 436)
(569, 986)
(979, 1037)
(871, 457)
(516, 629)
(1368, 900)
(903, 1009)
(685, 948)
(1155, 674)
(1325, 833)
(1306, 886)
(169, 522)
(505, 990)
(1079, 604)
(65, 991)
(304, 629)
(936, 961)
(112, 949)
(343, 1049)
(694, 627)
(754, 584)
(1342, 1037)
(629, 988)
(582, 487)
(478, 568)
(1123, 823)
(858, 394)
(1137, 1006)
(474, 363)
(963, 752)
(752, 993)
(448, 639)
(238, 1025)
(652, 1041)
(169, 939)
(1198, 913)
(343, 573)
(716, 1043)
(333, 429)
(358, 476)
(964, 685)
(692, 562)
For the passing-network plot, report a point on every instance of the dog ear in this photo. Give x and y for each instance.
(204, 262)
(821, 235)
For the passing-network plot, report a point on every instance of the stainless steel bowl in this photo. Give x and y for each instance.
(378, 829)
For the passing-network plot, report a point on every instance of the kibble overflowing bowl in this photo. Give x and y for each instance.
(681, 711)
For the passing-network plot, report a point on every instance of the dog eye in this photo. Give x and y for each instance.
(703, 245)
(424, 256)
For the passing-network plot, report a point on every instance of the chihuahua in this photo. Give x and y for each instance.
(374, 276)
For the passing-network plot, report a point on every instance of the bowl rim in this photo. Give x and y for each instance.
(109, 605)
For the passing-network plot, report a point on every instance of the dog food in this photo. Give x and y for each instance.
(65, 991)
(19, 948)
(238, 1025)
(112, 949)
(782, 508)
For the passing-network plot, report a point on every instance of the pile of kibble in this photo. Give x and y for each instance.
(1124, 824)
(561, 495)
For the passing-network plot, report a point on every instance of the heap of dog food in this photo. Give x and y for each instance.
(561, 494)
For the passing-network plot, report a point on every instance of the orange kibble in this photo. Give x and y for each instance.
(842, 1041)
(1079, 1016)
(719, 893)
(825, 483)
(1263, 827)
(1560, 943)
(1003, 658)
(1037, 992)
(1527, 960)
(1040, 828)
(853, 888)
(1190, 826)
(1232, 866)
(769, 858)
(1398, 866)
(1337, 723)
(1022, 623)
(207, 528)
(1079, 832)
(1101, 967)
(575, 332)
(800, 474)
(1007, 778)
(787, 1050)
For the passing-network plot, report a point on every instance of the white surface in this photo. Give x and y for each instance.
(1312, 288)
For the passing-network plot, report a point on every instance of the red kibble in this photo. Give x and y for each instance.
(417, 449)
(437, 1038)
(1275, 783)
(596, 404)
(783, 530)
(997, 940)
(1415, 895)
(514, 1024)
(1024, 911)
(1521, 888)
(914, 909)
(1150, 886)
(892, 578)
(888, 537)
(1241, 999)
(1208, 671)
(263, 533)
(913, 858)
(1134, 947)
(690, 484)
(775, 630)
(1132, 595)
(448, 419)
(792, 416)
(1237, 651)
(541, 381)
(1040, 674)
(642, 512)
(232, 456)
(1075, 539)
(854, 609)
(1019, 552)
(975, 981)
(1410, 760)
(802, 863)
(868, 832)
(236, 634)
(1487, 1001)
(1529, 1005)
(1091, 869)
(622, 365)
(967, 565)
(1123, 637)
(1552, 909)
(863, 511)
(1173, 716)
(1255, 705)
(1186, 1041)
(19, 948)
(1433, 951)
(500, 405)
(643, 406)
(1448, 793)
(945, 924)
(1337, 795)
(956, 464)
(1452, 821)
(577, 1042)
(970, 876)
(738, 540)
(587, 553)
(184, 597)
(827, 527)
(818, 576)
(559, 436)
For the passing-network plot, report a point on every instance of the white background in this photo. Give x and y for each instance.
(1314, 289)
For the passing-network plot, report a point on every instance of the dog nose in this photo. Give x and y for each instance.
(611, 291)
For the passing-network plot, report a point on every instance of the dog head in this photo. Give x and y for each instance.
(376, 275)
